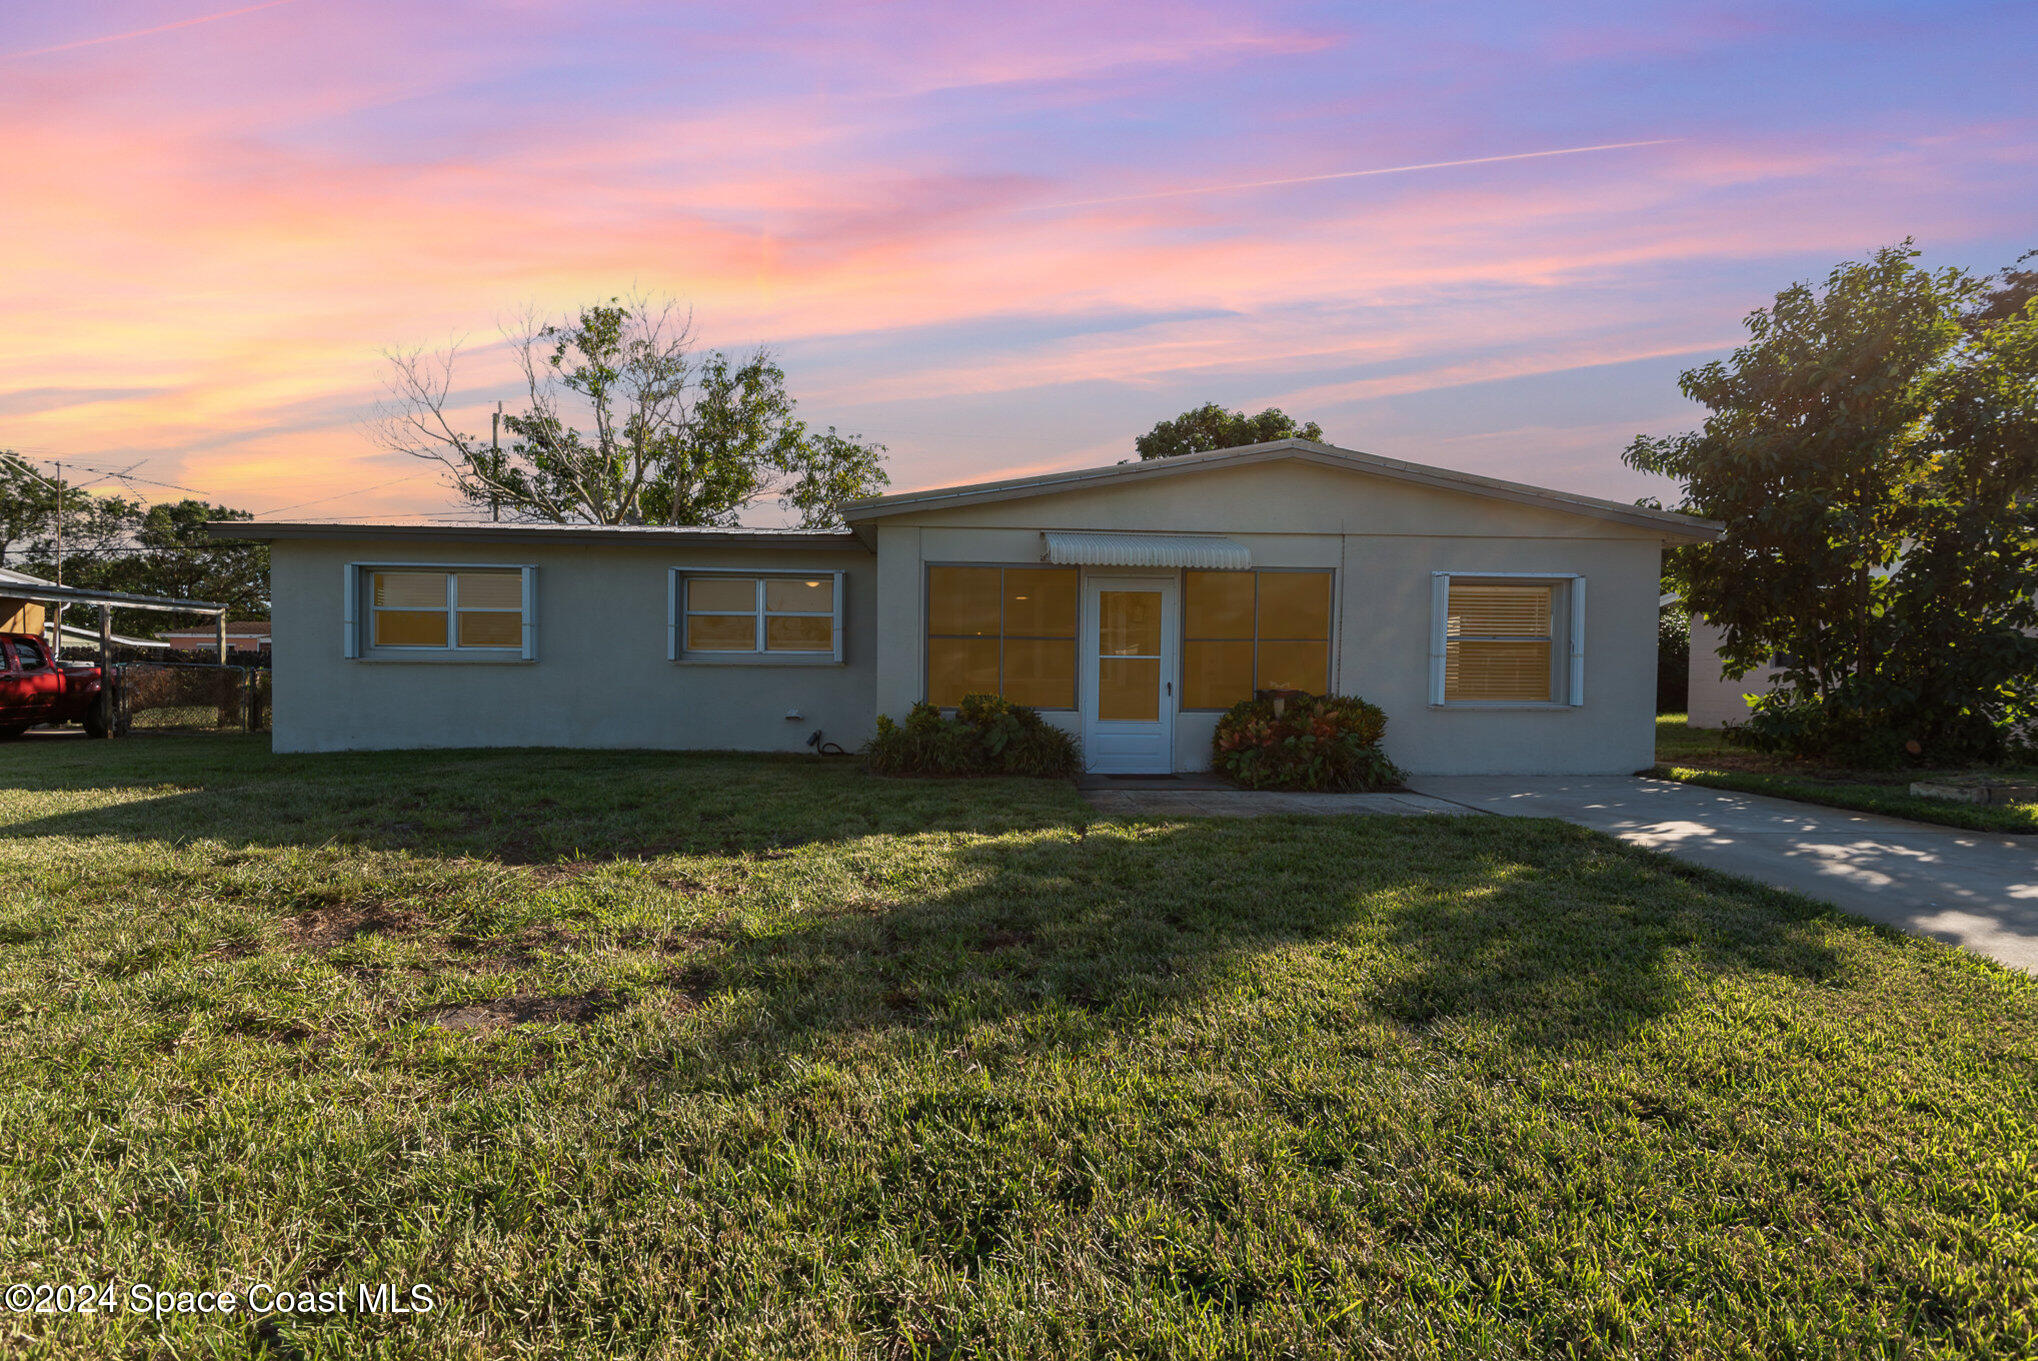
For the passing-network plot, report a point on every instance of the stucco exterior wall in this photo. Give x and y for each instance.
(1384, 540)
(1715, 699)
(600, 677)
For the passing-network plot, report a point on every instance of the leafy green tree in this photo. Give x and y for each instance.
(115, 544)
(1211, 426)
(624, 425)
(1870, 451)
(96, 527)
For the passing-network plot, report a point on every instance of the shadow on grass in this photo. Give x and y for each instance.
(530, 807)
(1554, 934)
(939, 906)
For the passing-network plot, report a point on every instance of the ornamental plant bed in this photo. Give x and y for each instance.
(986, 736)
(1976, 789)
(1290, 739)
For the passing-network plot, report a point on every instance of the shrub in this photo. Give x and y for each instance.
(987, 736)
(1315, 742)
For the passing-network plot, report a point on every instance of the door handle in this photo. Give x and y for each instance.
(1170, 692)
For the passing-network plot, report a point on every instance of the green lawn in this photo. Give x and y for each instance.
(1703, 756)
(722, 1056)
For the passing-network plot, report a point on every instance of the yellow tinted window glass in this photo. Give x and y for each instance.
(1216, 675)
(721, 633)
(1218, 605)
(1294, 666)
(491, 628)
(799, 633)
(809, 595)
(410, 628)
(1040, 602)
(1041, 672)
(410, 590)
(1499, 608)
(1129, 623)
(1482, 672)
(721, 593)
(960, 666)
(963, 600)
(1294, 605)
(490, 590)
(1128, 689)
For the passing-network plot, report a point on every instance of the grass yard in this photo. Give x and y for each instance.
(724, 1056)
(1703, 756)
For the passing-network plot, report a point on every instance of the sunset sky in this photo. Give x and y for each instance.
(997, 238)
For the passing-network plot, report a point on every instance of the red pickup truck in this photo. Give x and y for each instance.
(35, 689)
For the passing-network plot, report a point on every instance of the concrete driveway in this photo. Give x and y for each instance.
(1977, 889)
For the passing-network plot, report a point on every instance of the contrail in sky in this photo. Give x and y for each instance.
(142, 32)
(1357, 174)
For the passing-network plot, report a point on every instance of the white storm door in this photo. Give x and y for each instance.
(1129, 675)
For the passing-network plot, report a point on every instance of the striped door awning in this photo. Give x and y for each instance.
(1097, 548)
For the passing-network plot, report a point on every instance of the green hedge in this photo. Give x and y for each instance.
(987, 736)
(1314, 742)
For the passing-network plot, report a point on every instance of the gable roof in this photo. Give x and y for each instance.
(1688, 527)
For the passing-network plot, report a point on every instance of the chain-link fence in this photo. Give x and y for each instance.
(191, 697)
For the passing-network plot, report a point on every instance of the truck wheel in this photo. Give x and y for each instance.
(8, 734)
(95, 721)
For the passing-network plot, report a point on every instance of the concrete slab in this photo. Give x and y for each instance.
(1976, 889)
(1157, 802)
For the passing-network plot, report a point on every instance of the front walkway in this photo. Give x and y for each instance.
(1206, 796)
(1977, 889)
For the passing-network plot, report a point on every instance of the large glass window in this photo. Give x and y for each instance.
(1007, 631)
(1499, 642)
(1247, 631)
(429, 607)
(725, 614)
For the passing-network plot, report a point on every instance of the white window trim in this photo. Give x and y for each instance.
(1439, 640)
(355, 617)
(675, 610)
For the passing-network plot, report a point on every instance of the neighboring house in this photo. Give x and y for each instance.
(26, 601)
(19, 613)
(1503, 628)
(80, 640)
(242, 635)
(1716, 699)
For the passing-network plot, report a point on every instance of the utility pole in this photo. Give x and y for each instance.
(20, 463)
(57, 633)
(494, 461)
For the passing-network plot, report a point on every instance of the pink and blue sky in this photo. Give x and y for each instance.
(997, 238)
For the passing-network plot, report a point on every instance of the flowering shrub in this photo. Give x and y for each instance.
(1314, 742)
(987, 736)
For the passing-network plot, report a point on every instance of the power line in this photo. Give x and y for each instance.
(357, 491)
(124, 475)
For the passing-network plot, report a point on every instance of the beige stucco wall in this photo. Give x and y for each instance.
(1715, 699)
(1384, 539)
(600, 677)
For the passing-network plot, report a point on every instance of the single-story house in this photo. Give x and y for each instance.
(1504, 628)
(1717, 698)
(242, 635)
(26, 607)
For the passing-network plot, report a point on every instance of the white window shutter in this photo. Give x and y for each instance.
(1576, 693)
(1439, 622)
(530, 575)
(672, 615)
(350, 612)
(840, 583)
